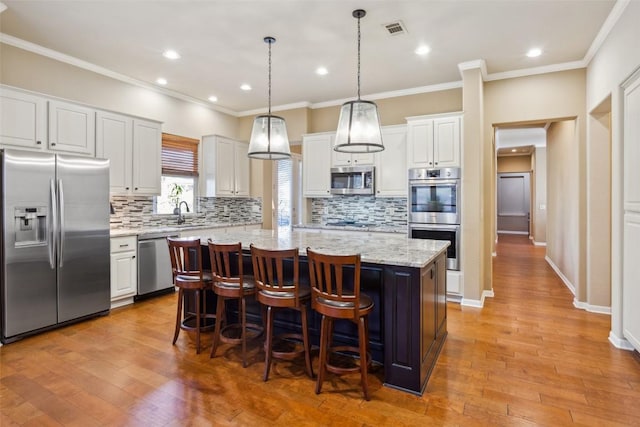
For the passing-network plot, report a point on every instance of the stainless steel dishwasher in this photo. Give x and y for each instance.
(154, 265)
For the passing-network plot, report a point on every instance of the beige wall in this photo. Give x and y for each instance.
(37, 73)
(514, 164)
(544, 97)
(539, 209)
(393, 111)
(599, 206)
(563, 205)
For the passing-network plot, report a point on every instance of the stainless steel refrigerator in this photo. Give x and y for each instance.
(55, 240)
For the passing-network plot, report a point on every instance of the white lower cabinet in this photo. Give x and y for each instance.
(124, 270)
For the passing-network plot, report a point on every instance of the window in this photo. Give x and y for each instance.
(179, 173)
(287, 175)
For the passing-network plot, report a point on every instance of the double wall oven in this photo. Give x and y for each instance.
(434, 208)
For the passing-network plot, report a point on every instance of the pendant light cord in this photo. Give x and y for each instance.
(270, 43)
(358, 58)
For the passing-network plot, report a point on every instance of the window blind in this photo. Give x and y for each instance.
(179, 155)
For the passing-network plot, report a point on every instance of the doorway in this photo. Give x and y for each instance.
(514, 203)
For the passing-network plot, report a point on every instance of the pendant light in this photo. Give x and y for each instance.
(359, 123)
(269, 140)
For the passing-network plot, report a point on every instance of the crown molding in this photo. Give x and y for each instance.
(537, 70)
(393, 94)
(283, 107)
(609, 23)
(67, 59)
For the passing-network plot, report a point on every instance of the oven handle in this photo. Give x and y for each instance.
(443, 227)
(434, 182)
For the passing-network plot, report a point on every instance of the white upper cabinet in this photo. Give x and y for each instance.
(114, 141)
(226, 167)
(134, 149)
(433, 142)
(72, 128)
(391, 163)
(23, 119)
(339, 159)
(147, 157)
(316, 164)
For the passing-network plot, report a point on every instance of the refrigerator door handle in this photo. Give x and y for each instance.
(61, 236)
(51, 224)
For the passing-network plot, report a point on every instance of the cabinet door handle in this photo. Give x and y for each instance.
(133, 256)
(136, 188)
(126, 245)
(126, 188)
(436, 163)
(38, 142)
(53, 143)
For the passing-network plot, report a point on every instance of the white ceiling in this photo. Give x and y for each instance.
(221, 45)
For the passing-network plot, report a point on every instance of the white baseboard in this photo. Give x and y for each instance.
(539, 243)
(121, 302)
(524, 233)
(494, 254)
(620, 343)
(564, 279)
(477, 303)
(600, 309)
(454, 298)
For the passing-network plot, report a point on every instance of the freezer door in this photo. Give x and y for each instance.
(28, 270)
(83, 245)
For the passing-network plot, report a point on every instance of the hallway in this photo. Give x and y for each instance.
(529, 355)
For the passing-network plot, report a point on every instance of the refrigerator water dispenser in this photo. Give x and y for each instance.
(31, 226)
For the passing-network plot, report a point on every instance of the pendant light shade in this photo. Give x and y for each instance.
(269, 140)
(359, 123)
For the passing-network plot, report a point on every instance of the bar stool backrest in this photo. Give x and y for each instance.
(226, 262)
(270, 273)
(186, 259)
(330, 277)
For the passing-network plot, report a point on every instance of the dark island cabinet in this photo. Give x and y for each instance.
(407, 327)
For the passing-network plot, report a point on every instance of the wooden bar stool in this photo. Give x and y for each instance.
(229, 282)
(278, 290)
(331, 298)
(189, 277)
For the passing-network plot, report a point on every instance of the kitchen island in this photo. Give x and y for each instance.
(406, 278)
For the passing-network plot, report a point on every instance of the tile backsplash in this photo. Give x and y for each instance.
(375, 210)
(137, 212)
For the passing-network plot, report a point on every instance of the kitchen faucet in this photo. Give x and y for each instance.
(180, 217)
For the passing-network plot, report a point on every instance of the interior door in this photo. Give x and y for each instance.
(514, 202)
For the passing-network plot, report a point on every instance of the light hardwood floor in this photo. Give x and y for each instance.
(528, 358)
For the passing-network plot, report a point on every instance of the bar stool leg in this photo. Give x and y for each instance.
(305, 340)
(216, 333)
(243, 309)
(197, 292)
(362, 335)
(268, 344)
(323, 353)
(178, 317)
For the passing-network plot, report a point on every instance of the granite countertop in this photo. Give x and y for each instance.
(374, 248)
(120, 232)
(371, 228)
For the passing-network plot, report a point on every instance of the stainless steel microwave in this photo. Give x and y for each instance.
(353, 180)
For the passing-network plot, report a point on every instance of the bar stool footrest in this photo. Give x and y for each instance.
(283, 340)
(207, 322)
(253, 331)
(340, 350)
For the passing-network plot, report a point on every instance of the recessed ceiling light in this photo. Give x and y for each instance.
(161, 81)
(213, 98)
(534, 52)
(422, 50)
(171, 54)
(245, 86)
(322, 71)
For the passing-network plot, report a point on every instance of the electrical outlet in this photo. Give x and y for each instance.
(255, 208)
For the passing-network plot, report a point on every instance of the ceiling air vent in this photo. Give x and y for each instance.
(395, 28)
